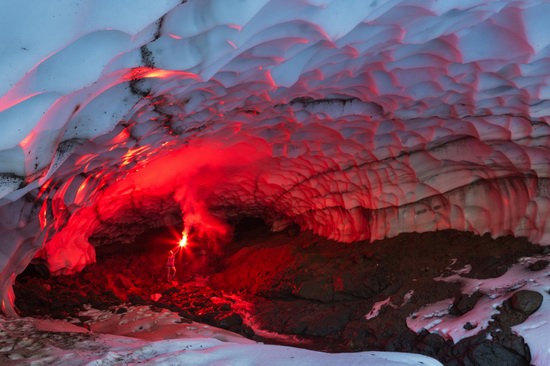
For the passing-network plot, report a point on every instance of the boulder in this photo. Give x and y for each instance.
(538, 265)
(488, 353)
(465, 303)
(526, 302)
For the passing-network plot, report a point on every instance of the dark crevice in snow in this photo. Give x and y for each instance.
(69, 146)
(10, 181)
(166, 119)
(147, 58)
(309, 101)
(158, 32)
(138, 85)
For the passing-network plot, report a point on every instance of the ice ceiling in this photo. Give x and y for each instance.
(355, 119)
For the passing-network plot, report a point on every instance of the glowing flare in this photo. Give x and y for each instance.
(183, 241)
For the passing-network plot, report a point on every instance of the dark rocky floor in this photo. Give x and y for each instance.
(310, 289)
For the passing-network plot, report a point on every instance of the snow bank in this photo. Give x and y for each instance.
(41, 342)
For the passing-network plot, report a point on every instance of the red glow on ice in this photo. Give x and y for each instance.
(82, 190)
(270, 79)
(42, 216)
(27, 142)
(235, 26)
(85, 159)
(147, 72)
(134, 154)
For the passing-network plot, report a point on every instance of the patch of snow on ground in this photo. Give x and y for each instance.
(377, 307)
(53, 342)
(143, 323)
(436, 319)
(373, 313)
(535, 330)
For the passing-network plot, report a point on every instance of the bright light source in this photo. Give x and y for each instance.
(183, 241)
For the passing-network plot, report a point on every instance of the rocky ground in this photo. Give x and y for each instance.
(299, 289)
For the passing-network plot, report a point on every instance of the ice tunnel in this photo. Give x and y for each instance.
(356, 120)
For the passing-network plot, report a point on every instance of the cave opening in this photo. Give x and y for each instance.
(248, 224)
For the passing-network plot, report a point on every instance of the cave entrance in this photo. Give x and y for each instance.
(249, 225)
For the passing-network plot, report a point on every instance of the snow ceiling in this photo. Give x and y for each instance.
(356, 119)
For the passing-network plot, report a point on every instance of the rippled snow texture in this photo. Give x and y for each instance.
(355, 119)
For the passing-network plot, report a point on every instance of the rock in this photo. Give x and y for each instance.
(506, 317)
(123, 282)
(136, 300)
(331, 322)
(465, 303)
(538, 265)
(84, 318)
(431, 345)
(170, 290)
(513, 342)
(59, 314)
(231, 322)
(247, 331)
(487, 267)
(184, 320)
(293, 230)
(316, 290)
(295, 326)
(488, 353)
(377, 283)
(404, 341)
(392, 289)
(209, 316)
(185, 314)
(462, 348)
(526, 302)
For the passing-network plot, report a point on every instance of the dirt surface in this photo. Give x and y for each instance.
(299, 289)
